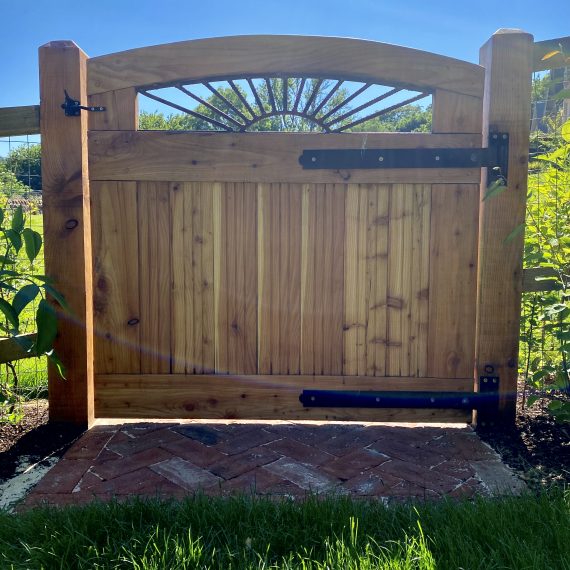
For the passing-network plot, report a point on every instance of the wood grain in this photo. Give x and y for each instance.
(19, 120)
(116, 277)
(507, 57)
(259, 56)
(259, 157)
(257, 397)
(67, 228)
(121, 111)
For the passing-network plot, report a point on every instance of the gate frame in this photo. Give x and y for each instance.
(507, 59)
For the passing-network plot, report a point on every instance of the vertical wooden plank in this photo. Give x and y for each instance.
(196, 213)
(220, 299)
(207, 277)
(230, 249)
(250, 283)
(121, 111)
(181, 246)
(327, 312)
(408, 280)
(308, 316)
(395, 301)
(294, 278)
(452, 283)
(337, 278)
(320, 276)
(154, 276)
(362, 292)
(376, 307)
(351, 281)
(282, 277)
(264, 277)
(67, 227)
(507, 58)
(420, 288)
(274, 304)
(456, 113)
(116, 274)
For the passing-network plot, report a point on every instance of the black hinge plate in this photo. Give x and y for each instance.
(494, 157)
(486, 399)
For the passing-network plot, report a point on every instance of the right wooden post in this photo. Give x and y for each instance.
(507, 57)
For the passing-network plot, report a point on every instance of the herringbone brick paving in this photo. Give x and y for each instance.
(276, 459)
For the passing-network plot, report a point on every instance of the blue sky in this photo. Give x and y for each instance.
(455, 28)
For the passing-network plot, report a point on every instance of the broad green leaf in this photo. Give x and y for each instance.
(15, 239)
(57, 296)
(46, 322)
(531, 400)
(10, 314)
(44, 278)
(565, 131)
(18, 220)
(7, 260)
(8, 273)
(550, 54)
(518, 230)
(1, 216)
(33, 243)
(494, 189)
(25, 296)
(554, 405)
(60, 367)
(7, 287)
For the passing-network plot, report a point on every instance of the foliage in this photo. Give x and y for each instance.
(25, 162)
(10, 185)
(406, 119)
(546, 315)
(318, 533)
(20, 289)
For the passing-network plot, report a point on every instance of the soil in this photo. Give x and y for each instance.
(536, 447)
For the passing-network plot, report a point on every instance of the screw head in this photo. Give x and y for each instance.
(313, 159)
(380, 159)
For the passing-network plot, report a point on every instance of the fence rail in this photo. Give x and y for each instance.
(19, 121)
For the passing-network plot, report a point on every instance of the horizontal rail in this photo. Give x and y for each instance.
(546, 47)
(536, 279)
(11, 349)
(19, 121)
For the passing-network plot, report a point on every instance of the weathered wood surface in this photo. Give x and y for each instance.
(260, 157)
(11, 350)
(255, 56)
(67, 227)
(561, 59)
(19, 121)
(259, 397)
(507, 57)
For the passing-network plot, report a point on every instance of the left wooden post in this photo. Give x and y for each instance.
(67, 227)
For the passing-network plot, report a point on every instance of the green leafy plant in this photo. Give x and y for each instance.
(546, 320)
(23, 291)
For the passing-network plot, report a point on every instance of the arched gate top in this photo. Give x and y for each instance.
(278, 55)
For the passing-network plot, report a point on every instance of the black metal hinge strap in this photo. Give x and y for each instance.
(395, 399)
(494, 157)
(73, 108)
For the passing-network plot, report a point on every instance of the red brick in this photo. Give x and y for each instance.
(354, 463)
(346, 442)
(304, 476)
(63, 476)
(185, 474)
(308, 454)
(132, 445)
(90, 444)
(194, 451)
(141, 482)
(111, 469)
(419, 475)
(311, 434)
(407, 451)
(456, 468)
(371, 483)
(411, 490)
(234, 465)
(261, 482)
(242, 441)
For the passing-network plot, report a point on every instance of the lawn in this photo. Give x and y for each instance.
(528, 532)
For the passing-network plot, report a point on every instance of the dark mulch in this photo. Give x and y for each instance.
(537, 446)
(33, 437)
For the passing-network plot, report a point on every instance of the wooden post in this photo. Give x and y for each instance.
(507, 58)
(67, 227)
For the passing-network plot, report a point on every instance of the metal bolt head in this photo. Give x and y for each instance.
(380, 159)
(313, 159)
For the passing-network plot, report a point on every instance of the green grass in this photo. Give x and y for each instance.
(529, 532)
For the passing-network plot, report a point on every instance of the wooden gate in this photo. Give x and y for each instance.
(213, 276)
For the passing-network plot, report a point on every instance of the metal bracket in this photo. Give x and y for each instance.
(73, 108)
(485, 401)
(489, 386)
(494, 157)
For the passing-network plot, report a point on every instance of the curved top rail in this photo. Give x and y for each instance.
(243, 56)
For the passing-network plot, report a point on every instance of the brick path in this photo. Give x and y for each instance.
(277, 459)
